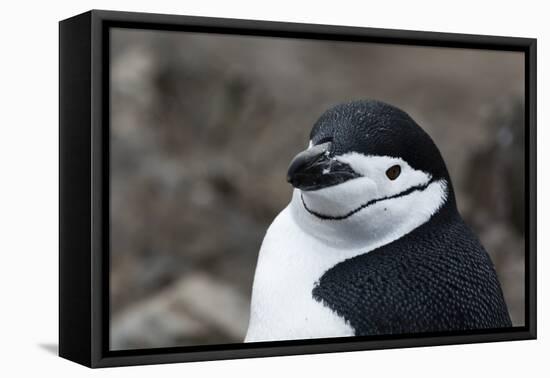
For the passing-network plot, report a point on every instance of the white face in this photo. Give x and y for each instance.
(379, 206)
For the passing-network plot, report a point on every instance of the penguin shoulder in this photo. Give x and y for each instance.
(436, 278)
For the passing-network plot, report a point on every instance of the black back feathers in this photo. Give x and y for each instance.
(436, 278)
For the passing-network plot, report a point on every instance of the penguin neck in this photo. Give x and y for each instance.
(380, 224)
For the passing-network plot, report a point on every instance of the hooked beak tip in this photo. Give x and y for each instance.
(305, 160)
(314, 169)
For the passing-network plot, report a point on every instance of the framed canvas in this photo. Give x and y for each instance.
(234, 188)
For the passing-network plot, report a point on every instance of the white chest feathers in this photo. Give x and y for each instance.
(289, 264)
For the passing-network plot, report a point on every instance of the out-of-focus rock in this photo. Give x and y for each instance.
(196, 308)
(495, 190)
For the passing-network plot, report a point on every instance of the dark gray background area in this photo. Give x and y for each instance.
(203, 127)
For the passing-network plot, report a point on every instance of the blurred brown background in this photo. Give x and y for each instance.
(203, 127)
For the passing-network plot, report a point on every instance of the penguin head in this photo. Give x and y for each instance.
(370, 172)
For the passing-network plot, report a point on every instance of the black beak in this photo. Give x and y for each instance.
(314, 169)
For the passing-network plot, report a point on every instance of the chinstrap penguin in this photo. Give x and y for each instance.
(371, 242)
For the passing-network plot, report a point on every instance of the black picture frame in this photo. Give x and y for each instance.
(84, 186)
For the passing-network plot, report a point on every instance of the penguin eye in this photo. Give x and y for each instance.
(393, 172)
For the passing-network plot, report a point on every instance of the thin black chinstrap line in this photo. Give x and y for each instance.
(371, 202)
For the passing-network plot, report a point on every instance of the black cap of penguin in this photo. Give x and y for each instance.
(371, 128)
